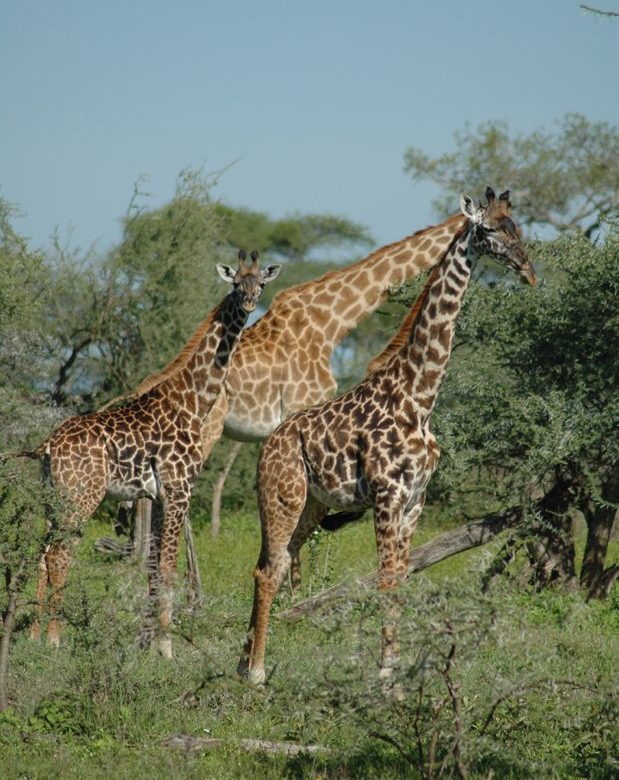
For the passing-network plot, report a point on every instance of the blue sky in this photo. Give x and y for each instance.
(310, 104)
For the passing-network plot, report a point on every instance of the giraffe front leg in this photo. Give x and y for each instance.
(268, 576)
(387, 524)
(175, 512)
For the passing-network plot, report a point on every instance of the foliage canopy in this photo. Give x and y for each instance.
(559, 179)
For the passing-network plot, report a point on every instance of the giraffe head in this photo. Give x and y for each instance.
(248, 281)
(494, 233)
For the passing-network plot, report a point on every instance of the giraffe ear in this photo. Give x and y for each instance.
(226, 272)
(505, 201)
(271, 272)
(468, 208)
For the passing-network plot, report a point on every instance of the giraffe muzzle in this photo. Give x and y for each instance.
(527, 274)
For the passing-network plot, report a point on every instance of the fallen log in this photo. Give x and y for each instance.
(474, 534)
(195, 744)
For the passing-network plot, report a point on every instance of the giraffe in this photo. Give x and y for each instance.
(151, 446)
(372, 446)
(282, 362)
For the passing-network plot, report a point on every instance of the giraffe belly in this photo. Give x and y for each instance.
(241, 428)
(128, 487)
(350, 496)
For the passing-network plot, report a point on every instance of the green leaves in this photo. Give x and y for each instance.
(292, 238)
(558, 179)
(532, 387)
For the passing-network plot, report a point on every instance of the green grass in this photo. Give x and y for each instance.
(99, 707)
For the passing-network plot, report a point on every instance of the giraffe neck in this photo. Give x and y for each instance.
(201, 376)
(402, 335)
(336, 302)
(424, 357)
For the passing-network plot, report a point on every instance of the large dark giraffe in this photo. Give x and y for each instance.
(372, 447)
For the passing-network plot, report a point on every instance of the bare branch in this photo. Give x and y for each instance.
(195, 744)
(598, 11)
(464, 538)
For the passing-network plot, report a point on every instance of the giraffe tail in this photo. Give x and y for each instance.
(40, 452)
(338, 519)
(33, 454)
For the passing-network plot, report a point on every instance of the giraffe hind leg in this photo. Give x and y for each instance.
(269, 574)
(329, 522)
(59, 553)
(41, 595)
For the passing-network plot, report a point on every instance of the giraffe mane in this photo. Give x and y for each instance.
(181, 360)
(173, 367)
(405, 330)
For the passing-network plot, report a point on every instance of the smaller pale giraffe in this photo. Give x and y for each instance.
(151, 447)
(372, 447)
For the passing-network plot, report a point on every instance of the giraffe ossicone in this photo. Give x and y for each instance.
(150, 447)
(372, 446)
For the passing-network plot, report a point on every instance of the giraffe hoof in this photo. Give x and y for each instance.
(165, 647)
(256, 676)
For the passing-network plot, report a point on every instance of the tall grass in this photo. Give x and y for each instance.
(509, 684)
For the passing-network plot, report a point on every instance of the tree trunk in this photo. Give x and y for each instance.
(194, 744)
(8, 624)
(594, 578)
(142, 529)
(551, 552)
(218, 488)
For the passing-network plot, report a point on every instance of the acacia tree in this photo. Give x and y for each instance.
(114, 318)
(559, 179)
(24, 298)
(544, 433)
(293, 238)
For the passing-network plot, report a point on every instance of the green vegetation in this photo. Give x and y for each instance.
(532, 674)
(508, 651)
(562, 179)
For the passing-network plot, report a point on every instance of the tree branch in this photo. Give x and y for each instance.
(451, 543)
(598, 11)
(194, 744)
(58, 394)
